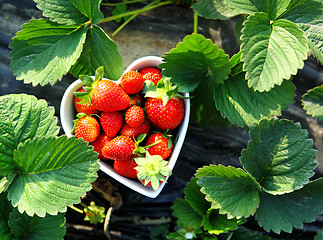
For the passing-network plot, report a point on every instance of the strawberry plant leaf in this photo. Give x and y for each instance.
(288, 211)
(313, 102)
(319, 235)
(39, 54)
(309, 17)
(236, 101)
(194, 60)
(185, 214)
(5, 209)
(195, 197)
(52, 173)
(233, 191)
(5, 182)
(22, 117)
(71, 11)
(247, 235)
(99, 50)
(37, 228)
(279, 156)
(214, 9)
(272, 50)
(216, 223)
(274, 8)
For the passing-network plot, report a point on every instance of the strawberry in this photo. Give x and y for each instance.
(129, 131)
(84, 107)
(163, 146)
(167, 116)
(119, 148)
(106, 95)
(111, 122)
(132, 82)
(86, 127)
(164, 107)
(152, 170)
(152, 74)
(134, 116)
(137, 99)
(98, 144)
(126, 168)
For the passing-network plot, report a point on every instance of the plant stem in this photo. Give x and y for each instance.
(124, 24)
(134, 12)
(195, 22)
(120, 3)
(132, 17)
(77, 209)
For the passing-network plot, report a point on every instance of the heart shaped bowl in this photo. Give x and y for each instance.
(68, 114)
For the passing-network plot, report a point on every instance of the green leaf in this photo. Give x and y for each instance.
(5, 209)
(279, 156)
(37, 228)
(186, 215)
(313, 102)
(216, 223)
(5, 182)
(246, 235)
(233, 191)
(272, 51)
(274, 8)
(288, 211)
(71, 11)
(309, 17)
(196, 198)
(99, 50)
(52, 173)
(319, 235)
(245, 107)
(213, 9)
(40, 54)
(196, 59)
(22, 117)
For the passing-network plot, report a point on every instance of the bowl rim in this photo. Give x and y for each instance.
(67, 114)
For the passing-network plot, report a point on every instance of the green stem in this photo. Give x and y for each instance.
(195, 22)
(77, 209)
(132, 17)
(134, 12)
(120, 3)
(124, 24)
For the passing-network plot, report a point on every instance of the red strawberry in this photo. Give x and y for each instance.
(152, 170)
(85, 107)
(111, 122)
(86, 127)
(163, 146)
(132, 82)
(137, 99)
(167, 116)
(98, 144)
(119, 148)
(152, 74)
(144, 128)
(126, 168)
(134, 116)
(106, 95)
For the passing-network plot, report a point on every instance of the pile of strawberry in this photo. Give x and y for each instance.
(131, 122)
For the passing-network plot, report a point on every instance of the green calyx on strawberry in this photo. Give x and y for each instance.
(164, 90)
(152, 170)
(105, 94)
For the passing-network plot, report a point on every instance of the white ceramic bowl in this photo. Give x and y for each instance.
(68, 113)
